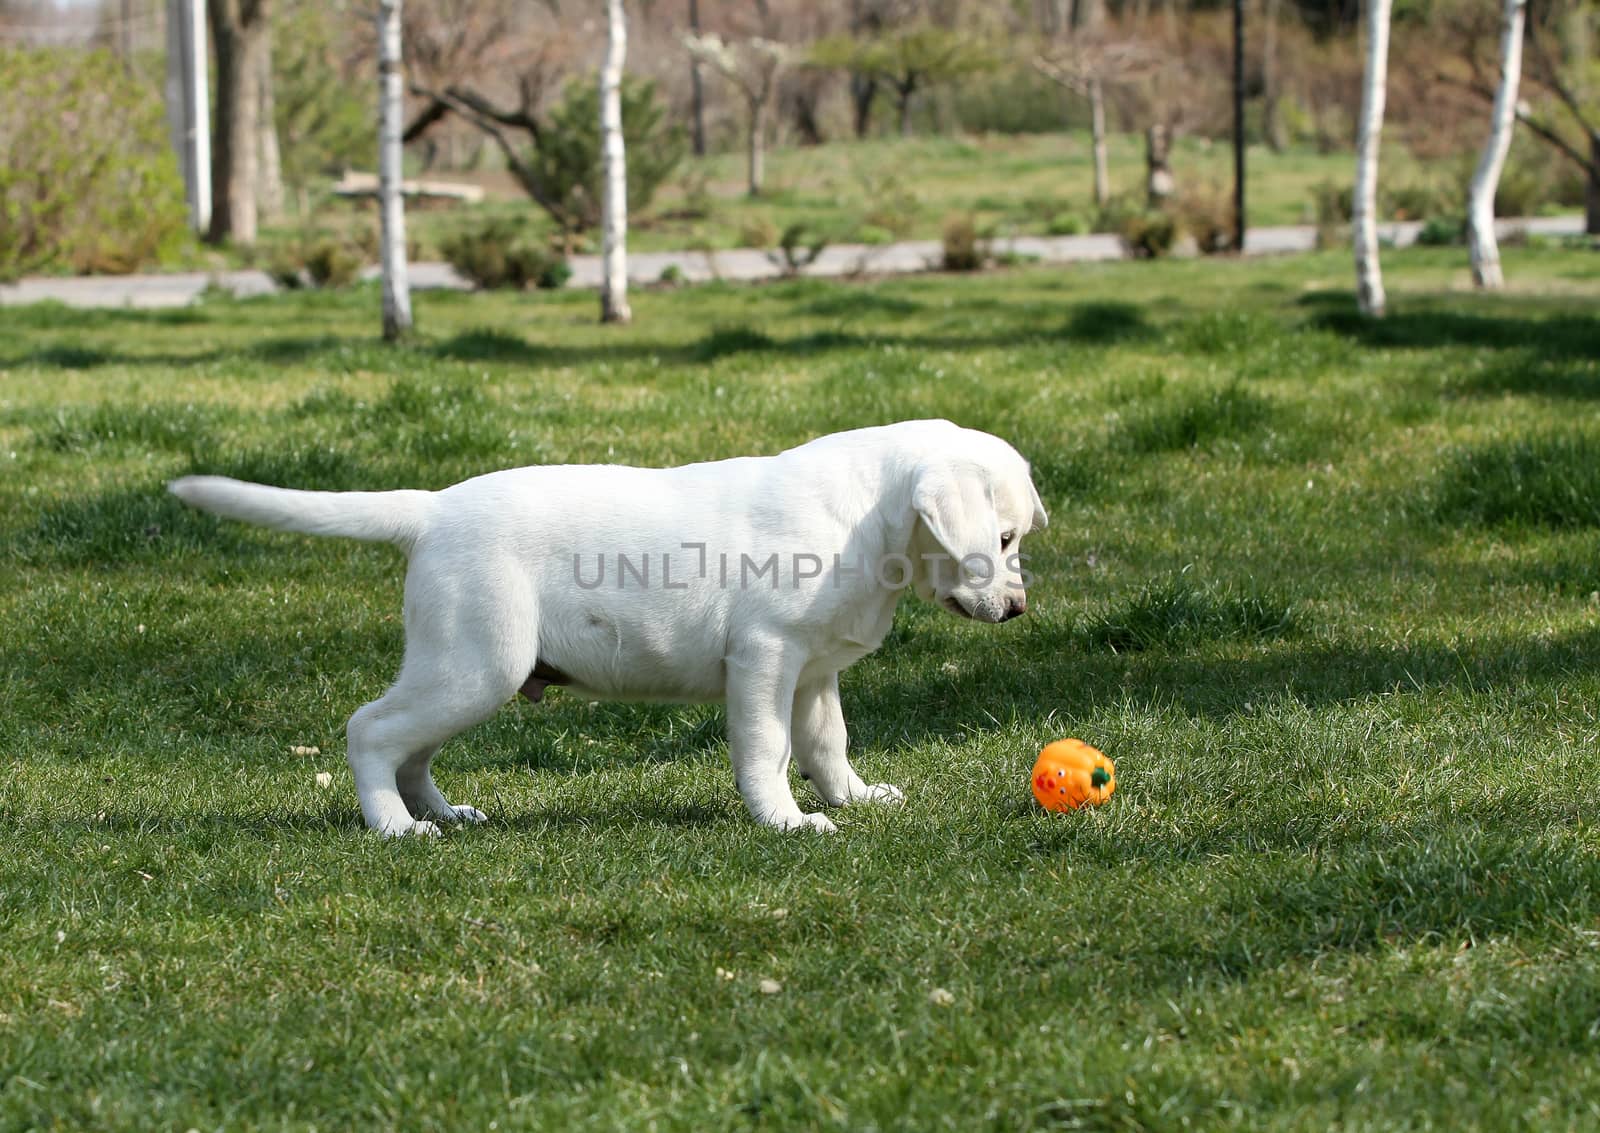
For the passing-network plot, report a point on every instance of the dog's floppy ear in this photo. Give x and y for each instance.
(956, 502)
(1040, 519)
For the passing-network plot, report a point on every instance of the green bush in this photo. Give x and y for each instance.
(1067, 224)
(317, 259)
(798, 248)
(1419, 199)
(1441, 232)
(964, 248)
(566, 160)
(758, 232)
(332, 263)
(503, 254)
(1206, 213)
(1149, 235)
(88, 182)
(893, 206)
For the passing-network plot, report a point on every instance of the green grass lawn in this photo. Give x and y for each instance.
(1327, 591)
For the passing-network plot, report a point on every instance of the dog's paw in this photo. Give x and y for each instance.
(471, 815)
(818, 822)
(417, 828)
(885, 794)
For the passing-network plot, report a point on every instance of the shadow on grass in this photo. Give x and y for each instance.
(1445, 874)
(1053, 671)
(862, 313)
(1549, 355)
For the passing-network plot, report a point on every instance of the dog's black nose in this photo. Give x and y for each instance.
(1015, 608)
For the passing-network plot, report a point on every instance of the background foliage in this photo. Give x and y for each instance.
(88, 180)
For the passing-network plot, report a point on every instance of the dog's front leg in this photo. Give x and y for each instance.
(760, 694)
(820, 748)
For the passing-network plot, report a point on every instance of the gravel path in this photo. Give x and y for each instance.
(179, 289)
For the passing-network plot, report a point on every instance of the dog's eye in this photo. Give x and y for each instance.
(1007, 539)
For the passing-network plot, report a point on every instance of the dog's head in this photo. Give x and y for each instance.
(974, 501)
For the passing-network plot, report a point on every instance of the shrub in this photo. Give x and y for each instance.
(88, 182)
(566, 160)
(1148, 234)
(1206, 213)
(1067, 224)
(331, 262)
(798, 248)
(964, 248)
(893, 208)
(1441, 231)
(1335, 203)
(758, 232)
(1522, 190)
(1421, 199)
(316, 259)
(502, 253)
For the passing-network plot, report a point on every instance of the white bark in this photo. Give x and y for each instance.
(189, 104)
(1481, 244)
(1364, 218)
(1097, 125)
(391, 205)
(614, 173)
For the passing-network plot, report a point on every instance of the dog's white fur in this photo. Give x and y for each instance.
(503, 578)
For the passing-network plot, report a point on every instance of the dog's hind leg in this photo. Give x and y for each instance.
(423, 797)
(469, 647)
(820, 748)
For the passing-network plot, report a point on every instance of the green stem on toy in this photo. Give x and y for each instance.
(1100, 778)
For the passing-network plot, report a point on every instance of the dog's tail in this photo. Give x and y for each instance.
(390, 517)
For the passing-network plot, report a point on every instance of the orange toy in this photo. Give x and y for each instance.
(1070, 773)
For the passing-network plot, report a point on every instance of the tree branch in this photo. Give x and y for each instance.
(489, 118)
(429, 116)
(1483, 91)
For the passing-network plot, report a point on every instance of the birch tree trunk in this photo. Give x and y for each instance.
(1364, 218)
(391, 206)
(1097, 127)
(1481, 244)
(614, 172)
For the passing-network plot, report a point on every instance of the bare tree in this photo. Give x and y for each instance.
(238, 34)
(909, 58)
(697, 88)
(1085, 66)
(613, 158)
(1271, 93)
(1481, 243)
(752, 66)
(1364, 219)
(391, 206)
(1546, 73)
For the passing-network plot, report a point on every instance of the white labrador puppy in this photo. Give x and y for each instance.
(754, 581)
